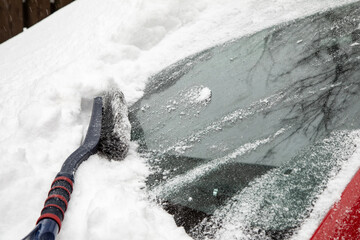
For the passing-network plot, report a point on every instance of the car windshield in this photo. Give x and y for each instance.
(244, 136)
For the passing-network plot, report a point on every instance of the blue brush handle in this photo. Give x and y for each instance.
(49, 223)
(47, 229)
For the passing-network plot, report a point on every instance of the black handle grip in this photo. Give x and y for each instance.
(58, 198)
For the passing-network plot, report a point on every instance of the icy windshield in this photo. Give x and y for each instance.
(248, 133)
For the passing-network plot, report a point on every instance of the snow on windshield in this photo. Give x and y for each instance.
(275, 101)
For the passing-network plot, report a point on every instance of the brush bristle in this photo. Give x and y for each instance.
(115, 126)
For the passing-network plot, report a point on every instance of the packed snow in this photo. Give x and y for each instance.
(204, 95)
(50, 73)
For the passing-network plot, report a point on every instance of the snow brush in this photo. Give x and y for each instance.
(109, 135)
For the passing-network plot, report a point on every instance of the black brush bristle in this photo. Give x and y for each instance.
(115, 126)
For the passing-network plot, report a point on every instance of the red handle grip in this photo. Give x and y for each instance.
(58, 198)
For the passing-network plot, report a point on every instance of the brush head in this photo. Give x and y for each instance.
(115, 126)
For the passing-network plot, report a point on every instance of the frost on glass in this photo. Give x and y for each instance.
(248, 133)
(273, 205)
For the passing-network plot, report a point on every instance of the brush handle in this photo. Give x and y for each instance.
(58, 198)
(52, 215)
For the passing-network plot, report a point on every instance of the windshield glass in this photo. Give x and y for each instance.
(247, 134)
